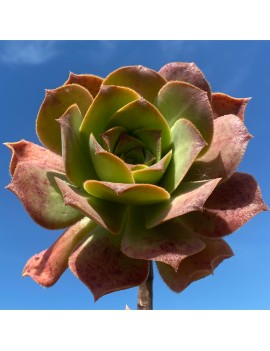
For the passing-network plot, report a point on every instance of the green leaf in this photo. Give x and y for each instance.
(189, 196)
(143, 80)
(108, 166)
(35, 186)
(46, 267)
(106, 103)
(76, 158)
(140, 114)
(134, 194)
(187, 143)
(169, 243)
(153, 174)
(182, 100)
(103, 268)
(54, 106)
(107, 214)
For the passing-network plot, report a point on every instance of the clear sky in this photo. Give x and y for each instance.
(237, 68)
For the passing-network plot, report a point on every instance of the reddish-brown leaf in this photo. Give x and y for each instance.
(230, 206)
(196, 266)
(103, 268)
(25, 151)
(223, 104)
(46, 267)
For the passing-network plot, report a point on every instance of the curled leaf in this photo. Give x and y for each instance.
(130, 194)
(196, 266)
(223, 104)
(25, 151)
(46, 267)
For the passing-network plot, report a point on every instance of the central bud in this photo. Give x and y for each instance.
(130, 147)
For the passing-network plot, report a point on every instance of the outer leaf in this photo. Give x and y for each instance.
(140, 114)
(133, 194)
(108, 214)
(186, 72)
(36, 188)
(182, 100)
(143, 80)
(103, 268)
(76, 159)
(25, 151)
(223, 104)
(187, 143)
(169, 243)
(196, 266)
(47, 267)
(88, 81)
(153, 174)
(190, 196)
(54, 106)
(108, 166)
(231, 205)
(106, 103)
(225, 152)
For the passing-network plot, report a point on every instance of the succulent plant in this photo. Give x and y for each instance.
(139, 167)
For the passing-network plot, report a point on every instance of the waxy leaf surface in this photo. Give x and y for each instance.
(196, 266)
(25, 151)
(46, 267)
(103, 268)
(186, 72)
(181, 100)
(231, 205)
(106, 103)
(55, 104)
(131, 194)
(144, 81)
(78, 166)
(108, 166)
(223, 104)
(140, 114)
(88, 81)
(105, 213)
(169, 243)
(187, 143)
(36, 188)
(189, 196)
(225, 152)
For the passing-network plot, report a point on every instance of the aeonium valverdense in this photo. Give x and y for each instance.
(139, 166)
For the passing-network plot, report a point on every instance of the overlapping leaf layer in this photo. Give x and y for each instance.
(138, 166)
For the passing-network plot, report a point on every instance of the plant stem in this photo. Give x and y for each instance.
(145, 293)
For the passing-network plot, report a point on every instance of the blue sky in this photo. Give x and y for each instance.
(237, 68)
